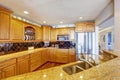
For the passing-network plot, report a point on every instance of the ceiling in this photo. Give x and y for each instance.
(54, 11)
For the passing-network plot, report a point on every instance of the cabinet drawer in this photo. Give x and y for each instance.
(7, 63)
(63, 59)
(23, 58)
(35, 54)
(33, 60)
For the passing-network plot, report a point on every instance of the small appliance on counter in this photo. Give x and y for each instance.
(46, 44)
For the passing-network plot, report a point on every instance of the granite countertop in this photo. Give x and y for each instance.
(18, 54)
(109, 70)
(22, 53)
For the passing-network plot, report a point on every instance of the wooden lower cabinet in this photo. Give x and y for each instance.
(9, 71)
(35, 60)
(23, 64)
(72, 55)
(1, 74)
(52, 54)
(8, 68)
(44, 56)
(31, 62)
(61, 55)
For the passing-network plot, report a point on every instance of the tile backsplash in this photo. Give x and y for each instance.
(63, 44)
(6, 48)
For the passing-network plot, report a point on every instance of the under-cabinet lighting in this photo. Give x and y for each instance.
(26, 12)
(25, 20)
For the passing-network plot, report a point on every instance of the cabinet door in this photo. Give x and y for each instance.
(62, 31)
(53, 35)
(80, 27)
(72, 55)
(23, 64)
(35, 60)
(39, 34)
(61, 55)
(65, 31)
(1, 74)
(90, 26)
(52, 55)
(72, 34)
(17, 30)
(45, 56)
(4, 26)
(59, 31)
(9, 71)
(46, 33)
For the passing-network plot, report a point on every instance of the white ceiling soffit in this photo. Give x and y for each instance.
(54, 11)
(107, 23)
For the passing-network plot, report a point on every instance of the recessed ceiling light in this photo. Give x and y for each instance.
(26, 12)
(44, 21)
(80, 17)
(61, 22)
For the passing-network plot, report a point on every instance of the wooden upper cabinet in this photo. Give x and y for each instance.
(90, 26)
(85, 27)
(5, 19)
(39, 34)
(72, 34)
(46, 33)
(61, 31)
(65, 31)
(53, 36)
(80, 27)
(17, 30)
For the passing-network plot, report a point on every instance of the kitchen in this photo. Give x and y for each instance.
(33, 47)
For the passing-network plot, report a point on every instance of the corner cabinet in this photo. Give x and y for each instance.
(5, 19)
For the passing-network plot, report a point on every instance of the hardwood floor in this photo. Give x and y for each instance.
(49, 65)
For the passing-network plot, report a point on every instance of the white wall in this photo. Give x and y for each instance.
(117, 26)
(103, 33)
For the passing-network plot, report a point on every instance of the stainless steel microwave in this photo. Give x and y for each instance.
(63, 37)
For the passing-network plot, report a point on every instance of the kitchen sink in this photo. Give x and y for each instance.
(77, 67)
